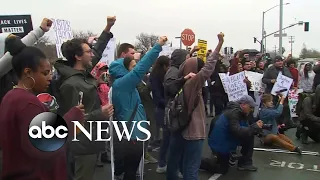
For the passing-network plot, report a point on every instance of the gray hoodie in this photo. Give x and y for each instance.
(172, 82)
(29, 40)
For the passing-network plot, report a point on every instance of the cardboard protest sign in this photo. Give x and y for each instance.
(235, 86)
(63, 32)
(282, 83)
(19, 25)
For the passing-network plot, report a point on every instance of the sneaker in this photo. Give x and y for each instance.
(180, 176)
(247, 168)
(149, 159)
(298, 150)
(161, 170)
(119, 177)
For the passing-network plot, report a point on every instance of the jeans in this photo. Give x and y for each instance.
(190, 152)
(164, 147)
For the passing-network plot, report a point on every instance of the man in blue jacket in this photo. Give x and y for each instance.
(230, 130)
(126, 75)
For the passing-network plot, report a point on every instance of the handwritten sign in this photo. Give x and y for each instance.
(235, 86)
(109, 51)
(63, 33)
(202, 44)
(293, 97)
(222, 75)
(256, 81)
(282, 82)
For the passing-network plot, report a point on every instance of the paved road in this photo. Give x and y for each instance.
(275, 166)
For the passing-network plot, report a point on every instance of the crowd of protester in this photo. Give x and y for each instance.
(141, 89)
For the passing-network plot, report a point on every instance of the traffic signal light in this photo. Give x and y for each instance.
(306, 26)
(225, 50)
(231, 50)
(254, 40)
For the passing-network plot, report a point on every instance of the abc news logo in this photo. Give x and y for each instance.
(48, 131)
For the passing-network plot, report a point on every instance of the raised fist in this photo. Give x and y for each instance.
(163, 40)
(46, 24)
(111, 20)
(221, 36)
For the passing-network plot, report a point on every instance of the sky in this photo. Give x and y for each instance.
(240, 21)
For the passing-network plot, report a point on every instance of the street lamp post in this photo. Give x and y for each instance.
(280, 27)
(263, 46)
(180, 41)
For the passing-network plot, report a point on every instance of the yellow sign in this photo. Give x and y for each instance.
(202, 53)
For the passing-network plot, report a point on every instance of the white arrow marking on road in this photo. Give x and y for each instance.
(215, 177)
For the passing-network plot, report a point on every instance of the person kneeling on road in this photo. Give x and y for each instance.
(230, 130)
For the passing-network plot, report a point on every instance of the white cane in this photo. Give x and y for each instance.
(111, 137)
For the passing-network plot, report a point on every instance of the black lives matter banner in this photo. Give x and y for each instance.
(19, 25)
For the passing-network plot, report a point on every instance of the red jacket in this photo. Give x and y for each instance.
(22, 161)
(295, 75)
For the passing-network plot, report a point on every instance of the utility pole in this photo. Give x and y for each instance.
(280, 27)
(262, 35)
(291, 42)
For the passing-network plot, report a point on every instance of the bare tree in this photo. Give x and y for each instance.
(83, 34)
(145, 41)
(309, 53)
(47, 47)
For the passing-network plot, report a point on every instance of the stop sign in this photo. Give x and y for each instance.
(187, 37)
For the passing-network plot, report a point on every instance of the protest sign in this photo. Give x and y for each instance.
(256, 81)
(108, 53)
(63, 32)
(202, 53)
(235, 86)
(167, 51)
(222, 75)
(282, 83)
(19, 25)
(293, 97)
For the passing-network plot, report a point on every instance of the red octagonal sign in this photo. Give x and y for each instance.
(187, 37)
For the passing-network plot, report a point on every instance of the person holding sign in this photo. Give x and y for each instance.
(268, 115)
(271, 74)
(7, 76)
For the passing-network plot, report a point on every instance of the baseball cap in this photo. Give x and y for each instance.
(278, 58)
(246, 99)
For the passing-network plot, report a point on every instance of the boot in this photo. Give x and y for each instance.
(304, 138)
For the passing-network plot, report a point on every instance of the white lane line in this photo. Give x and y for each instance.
(215, 177)
(288, 152)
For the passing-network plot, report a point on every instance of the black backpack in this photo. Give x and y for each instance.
(177, 117)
